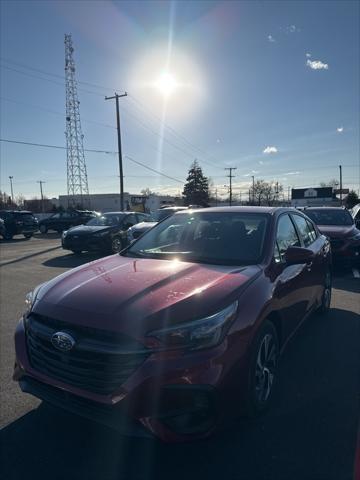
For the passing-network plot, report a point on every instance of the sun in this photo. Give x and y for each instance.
(166, 84)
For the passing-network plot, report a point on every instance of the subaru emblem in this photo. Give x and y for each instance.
(62, 341)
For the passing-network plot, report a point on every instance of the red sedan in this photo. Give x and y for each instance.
(184, 328)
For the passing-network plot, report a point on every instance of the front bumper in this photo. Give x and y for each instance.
(172, 398)
(85, 243)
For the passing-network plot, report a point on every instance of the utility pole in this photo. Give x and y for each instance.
(216, 197)
(341, 197)
(253, 189)
(42, 195)
(117, 96)
(231, 176)
(11, 186)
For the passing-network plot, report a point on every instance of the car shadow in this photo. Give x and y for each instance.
(71, 260)
(16, 239)
(310, 431)
(49, 235)
(347, 283)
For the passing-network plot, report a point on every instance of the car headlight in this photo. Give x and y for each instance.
(64, 233)
(30, 299)
(197, 334)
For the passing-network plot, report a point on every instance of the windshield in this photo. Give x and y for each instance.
(226, 238)
(330, 217)
(163, 213)
(106, 220)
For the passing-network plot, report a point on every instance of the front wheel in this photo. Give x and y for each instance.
(326, 296)
(8, 236)
(116, 245)
(43, 229)
(263, 369)
(28, 235)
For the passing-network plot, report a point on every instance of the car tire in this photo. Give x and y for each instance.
(43, 229)
(28, 235)
(263, 369)
(326, 296)
(116, 245)
(8, 236)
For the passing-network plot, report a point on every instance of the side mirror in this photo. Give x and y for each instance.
(298, 255)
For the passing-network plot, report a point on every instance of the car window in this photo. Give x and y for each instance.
(326, 216)
(129, 221)
(67, 215)
(304, 231)
(286, 235)
(141, 217)
(312, 229)
(206, 237)
(55, 216)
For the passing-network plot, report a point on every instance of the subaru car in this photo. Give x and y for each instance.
(183, 329)
(18, 222)
(105, 233)
(338, 224)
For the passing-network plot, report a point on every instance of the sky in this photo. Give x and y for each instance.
(268, 87)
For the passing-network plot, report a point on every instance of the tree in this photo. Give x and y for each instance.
(265, 192)
(147, 192)
(196, 188)
(352, 199)
(331, 183)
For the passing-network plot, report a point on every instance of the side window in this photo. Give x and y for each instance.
(304, 230)
(56, 216)
(141, 217)
(312, 230)
(129, 221)
(286, 235)
(67, 215)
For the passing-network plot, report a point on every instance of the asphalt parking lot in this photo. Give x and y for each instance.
(310, 432)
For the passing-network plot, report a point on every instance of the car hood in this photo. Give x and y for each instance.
(87, 230)
(335, 231)
(136, 295)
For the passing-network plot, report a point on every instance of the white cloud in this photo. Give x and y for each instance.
(317, 65)
(308, 55)
(269, 150)
(261, 162)
(292, 28)
(292, 173)
(271, 39)
(340, 129)
(253, 172)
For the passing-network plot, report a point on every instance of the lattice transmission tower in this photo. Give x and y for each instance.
(77, 181)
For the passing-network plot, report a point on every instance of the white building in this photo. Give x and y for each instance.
(110, 202)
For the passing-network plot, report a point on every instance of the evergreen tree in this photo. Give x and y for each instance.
(196, 188)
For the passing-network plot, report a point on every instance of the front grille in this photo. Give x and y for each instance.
(99, 362)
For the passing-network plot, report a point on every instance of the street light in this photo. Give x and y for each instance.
(11, 186)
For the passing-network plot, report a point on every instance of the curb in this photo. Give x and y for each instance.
(25, 257)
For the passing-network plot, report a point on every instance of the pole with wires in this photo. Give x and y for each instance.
(116, 97)
(231, 176)
(41, 194)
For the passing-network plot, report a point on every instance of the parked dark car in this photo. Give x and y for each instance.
(337, 224)
(18, 222)
(63, 220)
(2, 228)
(137, 230)
(183, 329)
(106, 233)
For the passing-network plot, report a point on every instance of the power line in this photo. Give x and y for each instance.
(170, 129)
(231, 176)
(43, 145)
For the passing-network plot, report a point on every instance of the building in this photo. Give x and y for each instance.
(314, 197)
(110, 202)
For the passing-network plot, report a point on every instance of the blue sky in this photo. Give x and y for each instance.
(271, 88)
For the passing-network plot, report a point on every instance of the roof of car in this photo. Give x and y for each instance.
(244, 209)
(16, 211)
(324, 208)
(119, 213)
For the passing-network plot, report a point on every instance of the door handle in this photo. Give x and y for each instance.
(309, 266)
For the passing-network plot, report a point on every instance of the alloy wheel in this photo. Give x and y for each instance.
(265, 368)
(116, 245)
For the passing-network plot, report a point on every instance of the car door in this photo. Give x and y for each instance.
(317, 269)
(291, 282)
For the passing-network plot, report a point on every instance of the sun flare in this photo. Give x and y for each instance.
(166, 84)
